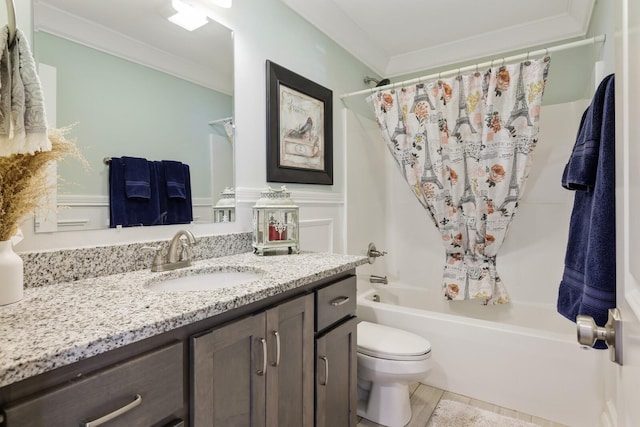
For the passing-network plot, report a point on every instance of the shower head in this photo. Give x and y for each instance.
(368, 80)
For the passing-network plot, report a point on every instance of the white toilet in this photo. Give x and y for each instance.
(389, 359)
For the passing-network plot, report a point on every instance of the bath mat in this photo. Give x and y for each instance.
(450, 413)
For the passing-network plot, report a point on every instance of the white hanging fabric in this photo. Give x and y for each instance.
(464, 146)
(23, 124)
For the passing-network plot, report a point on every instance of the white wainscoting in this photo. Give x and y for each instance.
(316, 235)
(85, 212)
(321, 222)
(321, 217)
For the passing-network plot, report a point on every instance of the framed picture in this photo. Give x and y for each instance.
(299, 129)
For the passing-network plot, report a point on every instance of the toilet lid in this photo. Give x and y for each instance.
(385, 342)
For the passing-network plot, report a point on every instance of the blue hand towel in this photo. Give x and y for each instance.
(588, 283)
(136, 177)
(131, 211)
(175, 179)
(174, 210)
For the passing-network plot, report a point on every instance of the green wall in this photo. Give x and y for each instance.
(120, 108)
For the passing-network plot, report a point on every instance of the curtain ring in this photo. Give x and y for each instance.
(527, 62)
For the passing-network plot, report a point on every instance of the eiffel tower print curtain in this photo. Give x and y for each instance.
(464, 146)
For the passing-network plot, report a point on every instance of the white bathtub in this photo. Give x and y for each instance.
(518, 356)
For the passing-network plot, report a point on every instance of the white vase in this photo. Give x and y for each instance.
(11, 274)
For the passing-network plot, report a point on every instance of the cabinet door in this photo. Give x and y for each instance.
(336, 379)
(228, 375)
(290, 372)
(141, 391)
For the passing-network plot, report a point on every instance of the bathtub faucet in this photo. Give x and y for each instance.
(378, 279)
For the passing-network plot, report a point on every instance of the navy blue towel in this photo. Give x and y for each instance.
(175, 179)
(128, 211)
(174, 209)
(588, 283)
(137, 181)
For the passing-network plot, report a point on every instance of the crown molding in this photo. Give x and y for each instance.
(91, 34)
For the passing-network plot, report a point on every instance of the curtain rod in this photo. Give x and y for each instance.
(593, 40)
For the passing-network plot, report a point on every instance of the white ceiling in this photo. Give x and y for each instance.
(404, 36)
(393, 38)
(138, 30)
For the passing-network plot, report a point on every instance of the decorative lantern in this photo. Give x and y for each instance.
(275, 222)
(225, 208)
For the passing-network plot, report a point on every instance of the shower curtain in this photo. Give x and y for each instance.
(464, 146)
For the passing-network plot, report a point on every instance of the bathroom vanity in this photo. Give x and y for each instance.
(279, 351)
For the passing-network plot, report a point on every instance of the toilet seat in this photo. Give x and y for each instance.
(389, 343)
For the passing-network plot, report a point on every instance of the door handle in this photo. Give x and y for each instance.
(326, 370)
(610, 333)
(105, 418)
(264, 357)
(277, 336)
(339, 301)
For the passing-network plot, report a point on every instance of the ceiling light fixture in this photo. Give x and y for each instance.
(222, 3)
(187, 16)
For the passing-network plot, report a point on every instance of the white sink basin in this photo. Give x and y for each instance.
(205, 281)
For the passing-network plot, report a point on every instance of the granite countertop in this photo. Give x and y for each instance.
(62, 323)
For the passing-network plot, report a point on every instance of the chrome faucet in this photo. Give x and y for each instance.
(178, 254)
(378, 279)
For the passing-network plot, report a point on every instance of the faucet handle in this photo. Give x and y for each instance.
(158, 257)
(373, 253)
(185, 252)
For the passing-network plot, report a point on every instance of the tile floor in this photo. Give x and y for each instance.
(424, 400)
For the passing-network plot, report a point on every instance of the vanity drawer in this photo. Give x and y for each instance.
(148, 390)
(335, 302)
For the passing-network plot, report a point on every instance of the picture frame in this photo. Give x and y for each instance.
(299, 128)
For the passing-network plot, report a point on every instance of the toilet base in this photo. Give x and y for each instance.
(387, 404)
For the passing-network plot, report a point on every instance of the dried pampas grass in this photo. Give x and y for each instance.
(24, 181)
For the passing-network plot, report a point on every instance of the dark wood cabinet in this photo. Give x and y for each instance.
(146, 390)
(336, 383)
(228, 375)
(262, 364)
(256, 371)
(336, 358)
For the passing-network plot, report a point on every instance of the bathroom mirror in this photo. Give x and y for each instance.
(132, 83)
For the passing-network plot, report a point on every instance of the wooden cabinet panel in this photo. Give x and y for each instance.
(151, 385)
(290, 379)
(257, 371)
(228, 375)
(335, 302)
(336, 376)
